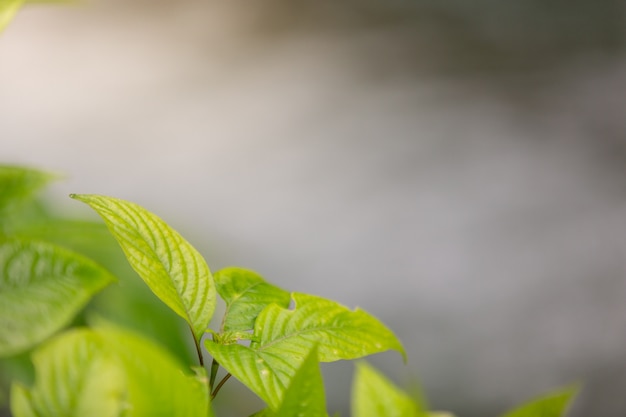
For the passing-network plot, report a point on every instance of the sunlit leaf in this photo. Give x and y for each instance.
(305, 395)
(553, 404)
(170, 266)
(108, 372)
(246, 294)
(42, 287)
(373, 395)
(283, 338)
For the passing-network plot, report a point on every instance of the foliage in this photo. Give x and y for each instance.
(270, 339)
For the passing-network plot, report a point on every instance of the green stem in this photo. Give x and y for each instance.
(215, 366)
(219, 386)
(198, 350)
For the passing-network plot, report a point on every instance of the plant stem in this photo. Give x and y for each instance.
(214, 368)
(219, 386)
(199, 351)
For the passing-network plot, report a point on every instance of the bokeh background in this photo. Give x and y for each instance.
(456, 168)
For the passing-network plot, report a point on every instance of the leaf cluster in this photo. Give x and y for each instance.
(269, 339)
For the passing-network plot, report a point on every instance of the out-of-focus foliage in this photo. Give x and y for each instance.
(42, 287)
(553, 404)
(104, 372)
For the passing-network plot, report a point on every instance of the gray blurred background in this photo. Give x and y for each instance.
(456, 168)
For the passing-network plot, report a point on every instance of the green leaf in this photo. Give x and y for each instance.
(553, 404)
(305, 394)
(282, 339)
(8, 8)
(108, 372)
(169, 265)
(373, 395)
(246, 294)
(130, 304)
(42, 287)
(17, 184)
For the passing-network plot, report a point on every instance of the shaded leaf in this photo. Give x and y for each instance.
(246, 293)
(17, 184)
(553, 404)
(108, 372)
(42, 287)
(373, 395)
(169, 265)
(282, 339)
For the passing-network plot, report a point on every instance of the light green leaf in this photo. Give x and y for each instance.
(17, 184)
(130, 304)
(553, 404)
(169, 265)
(108, 372)
(282, 339)
(305, 394)
(246, 294)
(373, 395)
(42, 287)
(8, 8)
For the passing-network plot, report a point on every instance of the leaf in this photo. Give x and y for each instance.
(107, 372)
(17, 184)
(42, 287)
(8, 8)
(373, 395)
(305, 394)
(553, 404)
(169, 265)
(282, 339)
(246, 294)
(130, 304)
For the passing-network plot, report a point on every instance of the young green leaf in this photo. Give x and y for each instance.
(245, 294)
(108, 372)
(373, 395)
(169, 265)
(42, 287)
(553, 404)
(282, 339)
(305, 394)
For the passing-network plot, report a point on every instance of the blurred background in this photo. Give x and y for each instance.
(455, 168)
